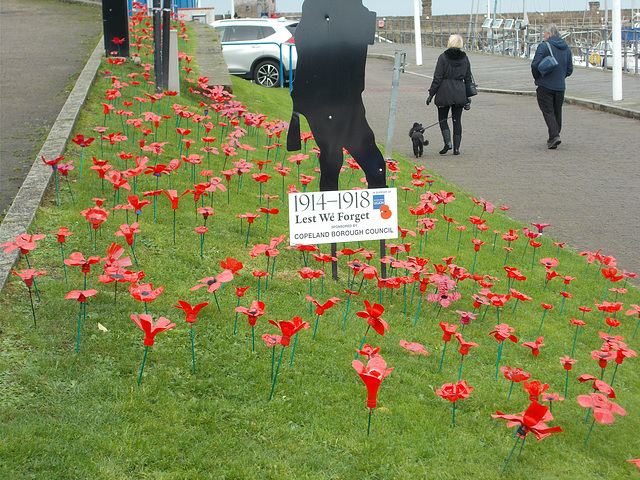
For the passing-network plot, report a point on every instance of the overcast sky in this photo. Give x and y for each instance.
(442, 7)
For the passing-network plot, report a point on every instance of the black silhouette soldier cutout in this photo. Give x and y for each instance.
(331, 40)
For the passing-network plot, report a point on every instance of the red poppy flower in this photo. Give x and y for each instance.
(253, 312)
(117, 274)
(546, 306)
(519, 296)
(512, 236)
(128, 232)
(24, 242)
(52, 163)
(414, 348)
(598, 385)
(81, 295)
(479, 300)
(62, 234)
(298, 158)
(498, 300)
(515, 374)
(117, 179)
(623, 352)
(454, 392)
(535, 389)
(535, 346)
(603, 409)
(81, 141)
(372, 376)
(448, 331)
(581, 323)
(272, 211)
(76, 259)
(137, 204)
(633, 311)
(567, 362)
(214, 283)
(552, 397)
(320, 309)
(114, 252)
(611, 274)
(612, 322)
(172, 195)
(532, 420)
(191, 312)
(368, 351)
(249, 216)
(28, 274)
(464, 345)
(372, 314)
(231, 264)
(503, 332)
(603, 357)
(145, 292)
(308, 273)
(289, 328)
(145, 322)
(272, 340)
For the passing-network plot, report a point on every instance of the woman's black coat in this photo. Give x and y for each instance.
(452, 71)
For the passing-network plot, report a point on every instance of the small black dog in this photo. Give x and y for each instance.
(417, 137)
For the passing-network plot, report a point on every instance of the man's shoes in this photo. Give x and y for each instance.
(553, 143)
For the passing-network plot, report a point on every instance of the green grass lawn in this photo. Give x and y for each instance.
(82, 415)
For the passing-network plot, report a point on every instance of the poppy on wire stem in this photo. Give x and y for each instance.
(288, 329)
(191, 317)
(28, 277)
(372, 375)
(81, 296)
(145, 322)
(453, 393)
(447, 333)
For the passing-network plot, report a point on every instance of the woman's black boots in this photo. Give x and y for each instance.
(456, 144)
(446, 136)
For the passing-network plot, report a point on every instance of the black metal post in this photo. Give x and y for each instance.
(115, 23)
(334, 264)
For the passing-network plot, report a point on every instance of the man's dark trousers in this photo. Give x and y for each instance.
(550, 103)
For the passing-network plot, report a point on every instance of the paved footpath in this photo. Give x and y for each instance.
(44, 45)
(588, 189)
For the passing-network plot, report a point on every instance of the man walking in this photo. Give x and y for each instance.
(551, 84)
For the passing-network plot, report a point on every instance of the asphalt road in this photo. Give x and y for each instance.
(44, 45)
(587, 189)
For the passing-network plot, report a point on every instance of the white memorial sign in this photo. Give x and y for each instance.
(343, 216)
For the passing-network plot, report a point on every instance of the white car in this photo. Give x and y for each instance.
(253, 48)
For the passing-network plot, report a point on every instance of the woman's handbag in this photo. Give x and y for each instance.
(471, 87)
(548, 63)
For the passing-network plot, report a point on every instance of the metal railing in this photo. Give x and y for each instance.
(591, 47)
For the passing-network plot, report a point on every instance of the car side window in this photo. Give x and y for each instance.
(221, 32)
(267, 31)
(242, 33)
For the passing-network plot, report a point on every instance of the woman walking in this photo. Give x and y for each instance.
(449, 86)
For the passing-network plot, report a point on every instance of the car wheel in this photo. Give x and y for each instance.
(267, 74)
